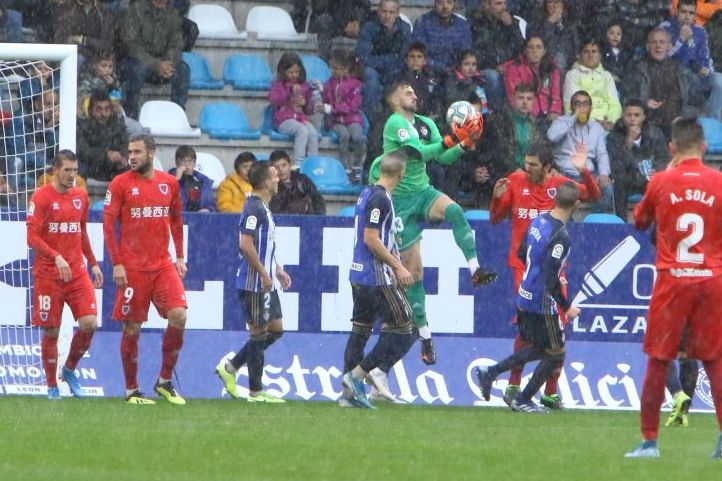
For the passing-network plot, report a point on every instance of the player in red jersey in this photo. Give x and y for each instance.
(146, 203)
(56, 222)
(523, 196)
(684, 202)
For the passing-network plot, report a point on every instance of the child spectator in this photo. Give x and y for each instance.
(196, 189)
(342, 103)
(236, 187)
(535, 67)
(426, 84)
(466, 83)
(99, 76)
(290, 97)
(615, 56)
(297, 194)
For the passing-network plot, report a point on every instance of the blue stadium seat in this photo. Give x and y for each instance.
(224, 120)
(98, 205)
(332, 137)
(247, 72)
(476, 214)
(201, 77)
(603, 219)
(634, 198)
(329, 175)
(348, 211)
(712, 134)
(316, 68)
(267, 126)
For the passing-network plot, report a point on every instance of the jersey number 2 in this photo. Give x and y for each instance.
(683, 224)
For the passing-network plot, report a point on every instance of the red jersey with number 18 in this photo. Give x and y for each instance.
(146, 210)
(683, 202)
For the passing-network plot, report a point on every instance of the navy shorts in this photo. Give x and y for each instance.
(541, 330)
(388, 303)
(260, 307)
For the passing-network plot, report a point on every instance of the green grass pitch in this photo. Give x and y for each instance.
(104, 439)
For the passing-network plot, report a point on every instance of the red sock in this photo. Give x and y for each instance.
(652, 396)
(49, 354)
(553, 381)
(515, 375)
(78, 346)
(714, 374)
(129, 355)
(172, 344)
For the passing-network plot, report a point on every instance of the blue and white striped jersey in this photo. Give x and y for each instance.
(546, 247)
(375, 210)
(257, 221)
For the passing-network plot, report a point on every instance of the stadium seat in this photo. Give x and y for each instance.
(329, 175)
(215, 21)
(209, 165)
(348, 211)
(98, 205)
(157, 164)
(201, 77)
(267, 126)
(476, 214)
(166, 119)
(226, 121)
(634, 198)
(272, 23)
(316, 68)
(247, 72)
(712, 134)
(603, 219)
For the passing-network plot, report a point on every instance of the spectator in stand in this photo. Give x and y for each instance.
(639, 17)
(705, 10)
(637, 149)
(588, 74)
(11, 26)
(153, 36)
(577, 133)
(290, 97)
(427, 84)
(342, 104)
(88, 25)
(196, 189)
(444, 34)
(690, 49)
(496, 40)
(99, 76)
(381, 46)
(661, 83)
(714, 37)
(47, 178)
(616, 56)
(102, 140)
(236, 187)
(330, 19)
(561, 36)
(465, 82)
(527, 128)
(297, 194)
(535, 67)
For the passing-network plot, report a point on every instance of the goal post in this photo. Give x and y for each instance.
(24, 68)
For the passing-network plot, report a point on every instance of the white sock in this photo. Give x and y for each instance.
(425, 332)
(230, 368)
(473, 264)
(161, 380)
(128, 392)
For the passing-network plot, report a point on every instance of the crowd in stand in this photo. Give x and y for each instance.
(606, 78)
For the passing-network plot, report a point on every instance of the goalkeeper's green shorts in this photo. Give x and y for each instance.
(410, 211)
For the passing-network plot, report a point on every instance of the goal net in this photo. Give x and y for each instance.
(38, 89)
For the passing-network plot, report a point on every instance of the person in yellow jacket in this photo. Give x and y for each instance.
(235, 187)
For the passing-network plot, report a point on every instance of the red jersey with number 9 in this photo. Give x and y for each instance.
(686, 204)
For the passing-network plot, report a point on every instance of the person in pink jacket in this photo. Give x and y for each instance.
(342, 104)
(290, 97)
(535, 67)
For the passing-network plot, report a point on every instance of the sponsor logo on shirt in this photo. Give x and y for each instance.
(163, 188)
(355, 266)
(77, 203)
(108, 198)
(148, 212)
(56, 206)
(524, 191)
(134, 191)
(522, 213)
(31, 209)
(525, 294)
(64, 227)
(375, 216)
(251, 222)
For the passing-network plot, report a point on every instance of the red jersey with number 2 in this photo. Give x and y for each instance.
(148, 210)
(686, 204)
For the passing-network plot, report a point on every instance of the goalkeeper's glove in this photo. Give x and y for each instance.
(470, 131)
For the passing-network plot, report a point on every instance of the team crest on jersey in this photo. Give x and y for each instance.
(77, 203)
(163, 188)
(552, 192)
(44, 316)
(251, 222)
(108, 197)
(423, 131)
(375, 216)
(403, 134)
(125, 310)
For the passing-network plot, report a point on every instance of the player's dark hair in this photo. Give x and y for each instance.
(589, 41)
(242, 158)
(417, 47)
(687, 134)
(184, 151)
(147, 140)
(279, 154)
(542, 150)
(463, 55)
(524, 88)
(687, 3)
(97, 96)
(258, 174)
(392, 88)
(567, 195)
(614, 22)
(634, 102)
(62, 155)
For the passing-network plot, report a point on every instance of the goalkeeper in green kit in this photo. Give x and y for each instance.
(416, 201)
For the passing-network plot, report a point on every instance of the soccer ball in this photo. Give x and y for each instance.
(458, 112)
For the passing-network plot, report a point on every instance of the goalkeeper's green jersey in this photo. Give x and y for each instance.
(422, 135)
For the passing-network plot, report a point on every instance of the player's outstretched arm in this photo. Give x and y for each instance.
(500, 201)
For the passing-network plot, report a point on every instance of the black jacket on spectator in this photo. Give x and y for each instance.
(627, 164)
(429, 90)
(493, 42)
(618, 64)
(298, 196)
(96, 25)
(94, 141)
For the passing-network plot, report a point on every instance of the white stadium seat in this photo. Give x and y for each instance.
(157, 164)
(272, 23)
(166, 119)
(215, 21)
(209, 165)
